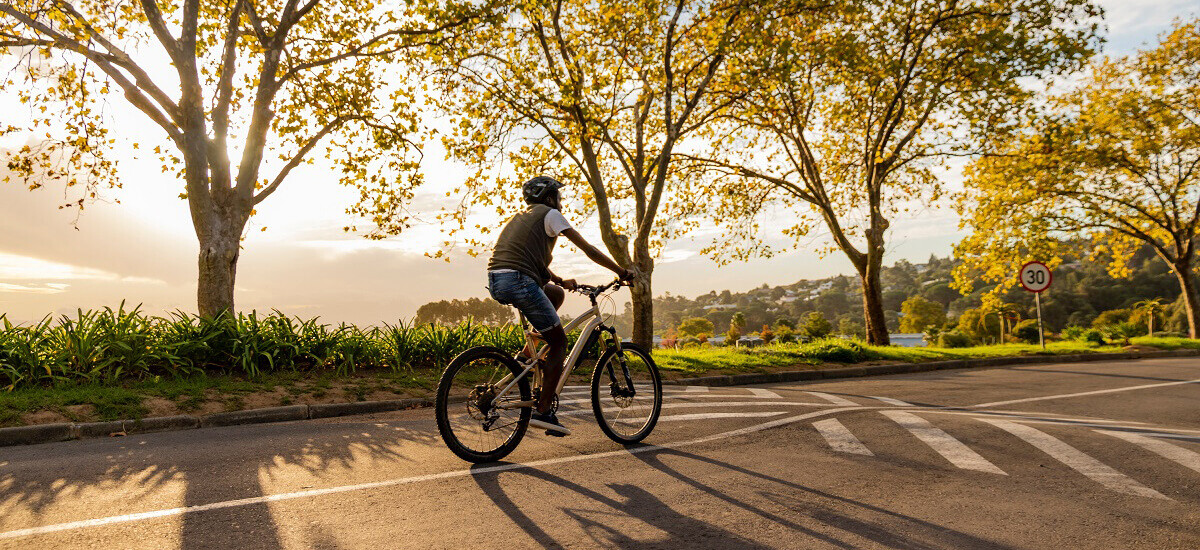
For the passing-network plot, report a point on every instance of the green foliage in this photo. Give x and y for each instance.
(1111, 317)
(695, 327)
(921, 314)
(1026, 331)
(1093, 336)
(953, 339)
(851, 328)
(117, 344)
(816, 326)
(1073, 332)
(980, 326)
(1123, 331)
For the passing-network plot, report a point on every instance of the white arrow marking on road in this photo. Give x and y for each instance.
(891, 401)
(1081, 394)
(706, 416)
(765, 394)
(840, 438)
(946, 445)
(1076, 459)
(1183, 456)
(408, 480)
(833, 399)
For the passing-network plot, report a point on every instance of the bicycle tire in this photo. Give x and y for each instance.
(444, 402)
(599, 376)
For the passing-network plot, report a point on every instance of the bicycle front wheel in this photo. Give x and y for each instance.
(472, 417)
(626, 394)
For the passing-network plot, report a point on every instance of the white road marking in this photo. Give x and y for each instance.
(588, 410)
(833, 399)
(891, 401)
(98, 522)
(840, 438)
(1081, 394)
(765, 394)
(946, 445)
(1076, 459)
(1039, 418)
(707, 416)
(696, 389)
(1183, 456)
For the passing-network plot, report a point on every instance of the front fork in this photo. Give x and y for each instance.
(628, 390)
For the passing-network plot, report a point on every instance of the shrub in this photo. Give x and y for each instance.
(1093, 336)
(695, 327)
(1111, 317)
(837, 351)
(1072, 333)
(816, 326)
(1026, 331)
(766, 334)
(1123, 331)
(785, 334)
(953, 339)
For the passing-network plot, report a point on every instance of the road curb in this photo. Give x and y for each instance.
(51, 433)
(365, 407)
(255, 416)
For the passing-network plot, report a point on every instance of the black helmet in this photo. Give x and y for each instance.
(539, 190)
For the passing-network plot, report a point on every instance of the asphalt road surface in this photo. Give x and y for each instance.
(1084, 455)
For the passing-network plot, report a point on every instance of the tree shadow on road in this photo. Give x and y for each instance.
(213, 465)
(829, 512)
(816, 518)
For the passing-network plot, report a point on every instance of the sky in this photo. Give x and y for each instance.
(143, 250)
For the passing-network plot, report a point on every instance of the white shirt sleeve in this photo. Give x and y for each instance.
(555, 223)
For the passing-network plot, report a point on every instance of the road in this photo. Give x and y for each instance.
(1083, 455)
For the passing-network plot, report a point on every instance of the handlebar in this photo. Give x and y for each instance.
(594, 291)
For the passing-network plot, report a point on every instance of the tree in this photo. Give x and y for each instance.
(858, 106)
(273, 81)
(980, 325)
(921, 314)
(1149, 309)
(448, 312)
(695, 327)
(851, 328)
(816, 325)
(599, 92)
(1111, 164)
(738, 322)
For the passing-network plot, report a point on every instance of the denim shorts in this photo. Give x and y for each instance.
(513, 288)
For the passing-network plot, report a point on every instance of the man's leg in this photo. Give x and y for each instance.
(556, 338)
(556, 295)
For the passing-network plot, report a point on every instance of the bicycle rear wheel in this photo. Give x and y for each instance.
(471, 424)
(626, 413)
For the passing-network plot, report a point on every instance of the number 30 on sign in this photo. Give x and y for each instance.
(1035, 276)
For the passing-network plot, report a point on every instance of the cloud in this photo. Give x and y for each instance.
(35, 288)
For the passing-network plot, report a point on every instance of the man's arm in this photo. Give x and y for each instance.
(596, 255)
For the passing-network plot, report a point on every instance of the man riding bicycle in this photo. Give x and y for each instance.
(519, 275)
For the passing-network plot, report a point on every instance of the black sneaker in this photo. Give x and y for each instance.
(550, 423)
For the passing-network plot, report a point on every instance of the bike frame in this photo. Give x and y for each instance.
(590, 320)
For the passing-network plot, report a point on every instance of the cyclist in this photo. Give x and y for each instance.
(519, 275)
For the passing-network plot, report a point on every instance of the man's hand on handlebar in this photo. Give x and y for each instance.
(569, 284)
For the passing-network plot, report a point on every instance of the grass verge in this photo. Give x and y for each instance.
(204, 394)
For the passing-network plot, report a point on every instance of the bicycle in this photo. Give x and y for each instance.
(486, 396)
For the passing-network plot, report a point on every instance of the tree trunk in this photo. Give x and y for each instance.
(643, 312)
(868, 271)
(1190, 299)
(220, 244)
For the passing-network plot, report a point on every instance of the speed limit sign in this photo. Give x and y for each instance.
(1035, 276)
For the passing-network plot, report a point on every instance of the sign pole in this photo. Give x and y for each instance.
(1036, 277)
(1037, 298)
